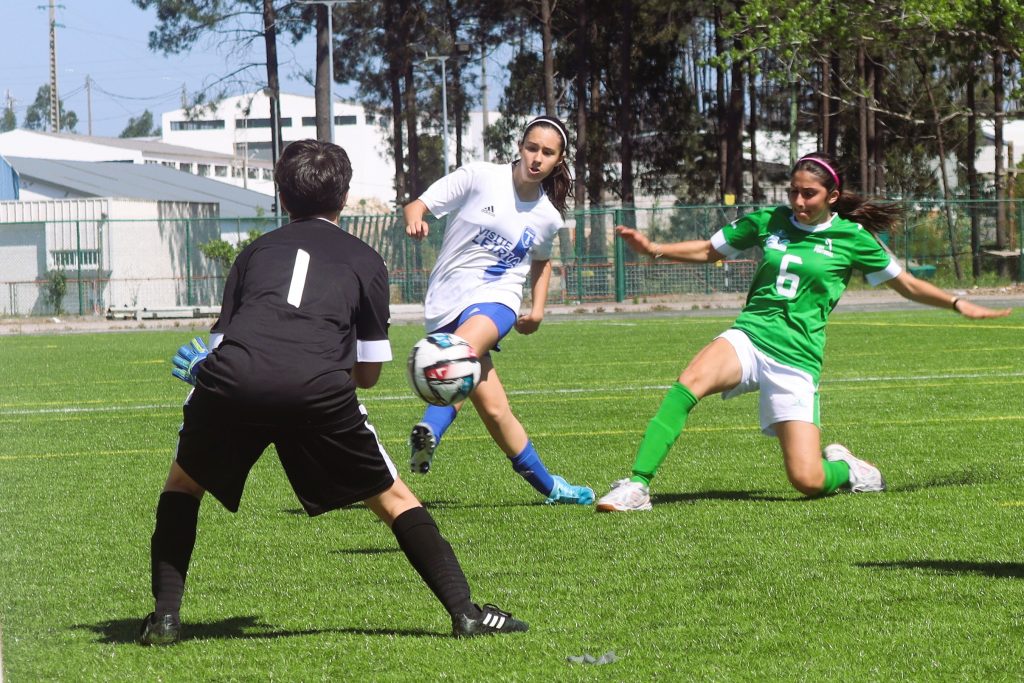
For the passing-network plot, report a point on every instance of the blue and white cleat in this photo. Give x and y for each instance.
(565, 493)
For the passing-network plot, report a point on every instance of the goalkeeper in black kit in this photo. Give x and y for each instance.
(303, 324)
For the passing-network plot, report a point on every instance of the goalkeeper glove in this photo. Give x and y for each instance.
(186, 361)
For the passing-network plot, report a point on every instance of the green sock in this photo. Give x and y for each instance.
(836, 474)
(662, 431)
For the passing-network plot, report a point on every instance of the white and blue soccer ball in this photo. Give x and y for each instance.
(443, 368)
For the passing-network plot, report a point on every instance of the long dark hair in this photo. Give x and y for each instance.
(874, 217)
(559, 182)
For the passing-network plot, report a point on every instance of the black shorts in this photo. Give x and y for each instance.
(327, 466)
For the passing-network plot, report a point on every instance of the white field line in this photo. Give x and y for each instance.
(68, 410)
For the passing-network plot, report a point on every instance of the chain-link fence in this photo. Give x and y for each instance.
(154, 267)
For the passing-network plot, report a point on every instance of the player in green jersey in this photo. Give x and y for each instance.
(777, 343)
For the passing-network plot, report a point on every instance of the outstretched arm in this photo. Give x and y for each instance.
(923, 292)
(690, 251)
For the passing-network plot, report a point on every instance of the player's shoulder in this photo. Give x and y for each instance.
(850, 228)
(765, 216)
(318, 234)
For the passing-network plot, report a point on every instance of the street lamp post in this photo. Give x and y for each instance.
(444, 106)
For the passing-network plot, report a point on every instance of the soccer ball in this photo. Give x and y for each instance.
(443, 369)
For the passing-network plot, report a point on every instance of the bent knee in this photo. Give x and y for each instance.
(807, 481)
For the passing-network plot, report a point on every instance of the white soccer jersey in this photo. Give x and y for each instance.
(490, 238)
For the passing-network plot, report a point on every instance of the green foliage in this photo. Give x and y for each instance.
(55, 289)
(732, 576)
(8, 121)
(37, 116)
(140, 127)
(224, 253)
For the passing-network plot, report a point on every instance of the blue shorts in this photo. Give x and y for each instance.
(501, 315)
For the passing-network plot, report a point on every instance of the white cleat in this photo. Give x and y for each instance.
(864, 477)
(625, 496)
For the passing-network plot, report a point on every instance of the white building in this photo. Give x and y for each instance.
(240, 127)
(254, 175)
(114, 253)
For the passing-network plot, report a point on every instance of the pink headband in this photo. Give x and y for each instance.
(824, 165)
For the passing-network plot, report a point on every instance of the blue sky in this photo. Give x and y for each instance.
(107, 40)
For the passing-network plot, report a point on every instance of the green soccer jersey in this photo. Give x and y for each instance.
(804, 271)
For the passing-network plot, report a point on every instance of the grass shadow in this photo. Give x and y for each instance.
(122, 631)
(365, 551)
(995, 570)
(695, 496)
(945, 481)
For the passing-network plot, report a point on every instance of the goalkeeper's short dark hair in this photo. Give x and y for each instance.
(313, 178)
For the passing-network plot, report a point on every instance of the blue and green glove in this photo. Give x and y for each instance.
(186, 361)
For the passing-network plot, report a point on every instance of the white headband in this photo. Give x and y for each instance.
(552, 122)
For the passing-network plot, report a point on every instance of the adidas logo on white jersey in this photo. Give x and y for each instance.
(489, 210)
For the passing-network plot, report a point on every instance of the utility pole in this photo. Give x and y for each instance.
(54, 99)
(88, 100)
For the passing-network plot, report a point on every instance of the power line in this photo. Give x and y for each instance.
(148, 98)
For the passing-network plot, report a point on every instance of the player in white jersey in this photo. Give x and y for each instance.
(777, 343)
(501, 222)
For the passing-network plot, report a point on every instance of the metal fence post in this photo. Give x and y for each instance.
(78, 260)
(1020, 241)
(619, 251)
(188, 263)
(579, 242)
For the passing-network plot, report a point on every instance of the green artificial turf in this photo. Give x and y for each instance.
(732, 576)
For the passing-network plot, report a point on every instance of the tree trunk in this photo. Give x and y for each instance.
(626, 104)
(972, 169)
(998, 97)
(455, 92)
(397, 53)
(273, 90)
(862, 118)
(832, 139)
(879, 135)
(582, 76)
(549, 58)
(720, 105)
(755, 183)
(596, 247)
(946, 193)
(870, 184)
(322, 87)
(826, 102)
(413, 145)
(734, 133)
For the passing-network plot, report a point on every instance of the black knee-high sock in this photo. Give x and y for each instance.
(432, 556)
(174, 537)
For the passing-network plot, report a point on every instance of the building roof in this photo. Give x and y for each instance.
(148, 147)
(140, 181)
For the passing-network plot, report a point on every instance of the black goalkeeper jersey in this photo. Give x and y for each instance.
(296, 303)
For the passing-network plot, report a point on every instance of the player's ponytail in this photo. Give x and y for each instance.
(875, 217)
